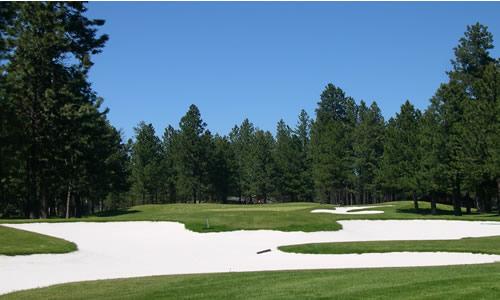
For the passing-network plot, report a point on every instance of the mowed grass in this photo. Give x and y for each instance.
(20, 242)
(220, 217)
(456, 282)
(487, 245)
(404, 210)
(283, 217)
(450, 282)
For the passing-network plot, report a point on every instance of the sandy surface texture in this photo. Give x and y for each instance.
(130, 249)
(348, 210)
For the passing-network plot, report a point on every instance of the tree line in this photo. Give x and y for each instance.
(347, 154)
(60, 156)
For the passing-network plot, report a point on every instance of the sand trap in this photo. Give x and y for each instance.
(130, 249)
(348, 210)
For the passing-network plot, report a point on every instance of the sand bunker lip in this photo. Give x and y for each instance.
(131, 249)
(348, 210)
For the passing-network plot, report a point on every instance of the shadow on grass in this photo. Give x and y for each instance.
(493, 215)
(116, 212)
(428, 211)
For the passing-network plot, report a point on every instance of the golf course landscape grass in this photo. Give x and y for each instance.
(219, 217)
(403, 282)
(282, 216)
(21, 242)
(455, 282)
(486, 245)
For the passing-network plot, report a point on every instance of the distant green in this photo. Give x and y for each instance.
(283, 217)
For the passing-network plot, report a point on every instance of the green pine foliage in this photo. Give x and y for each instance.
(61, 157)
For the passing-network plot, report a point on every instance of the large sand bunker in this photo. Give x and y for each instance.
(130, 249)
(352, 210)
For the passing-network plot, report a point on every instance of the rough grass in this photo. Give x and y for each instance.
(487, 245)
(451, 282)
(20, 242)
(283, 217)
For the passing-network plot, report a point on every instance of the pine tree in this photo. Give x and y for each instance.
(242, 141)
(331, 145)
(287, 157)
(430, 175)
(47, 99)
(451, 99)
(191, 164)
(302, 133)
(467, 109)
(400, 159)
(222, 168)
(146, 157)
(170, 149)
(368, 149)
(263, 166)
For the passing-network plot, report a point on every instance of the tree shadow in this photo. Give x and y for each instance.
(428, 211)
(492, 215)
(115, 212)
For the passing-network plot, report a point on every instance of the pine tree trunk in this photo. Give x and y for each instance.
(415, 200)
(487, 202)
(478, 204)
(498, 195)
(43, 206)
(468, 203)
(68, 199)
(433, 205)
(457, 205)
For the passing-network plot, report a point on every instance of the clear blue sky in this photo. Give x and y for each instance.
(266, 61)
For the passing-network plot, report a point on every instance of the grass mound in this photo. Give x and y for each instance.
(20, 242)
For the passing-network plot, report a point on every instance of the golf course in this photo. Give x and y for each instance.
(228, 238)
(249, 150)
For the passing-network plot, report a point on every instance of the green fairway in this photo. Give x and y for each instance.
(284, 217)
(220, 217)
(454, 282)
(20, 242)
(487, 245)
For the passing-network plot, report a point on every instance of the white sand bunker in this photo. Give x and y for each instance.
(348, 210)
(130, 249)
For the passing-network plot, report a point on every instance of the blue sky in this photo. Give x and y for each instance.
(266, 61)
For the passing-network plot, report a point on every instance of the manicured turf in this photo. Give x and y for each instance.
(20, 242)
(487, 245)
(284, 217)
(463, 282)
(450, 282)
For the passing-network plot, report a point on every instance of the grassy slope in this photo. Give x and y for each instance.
(455, 282)
(20, 242)
(284, 217)
(488, 245)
